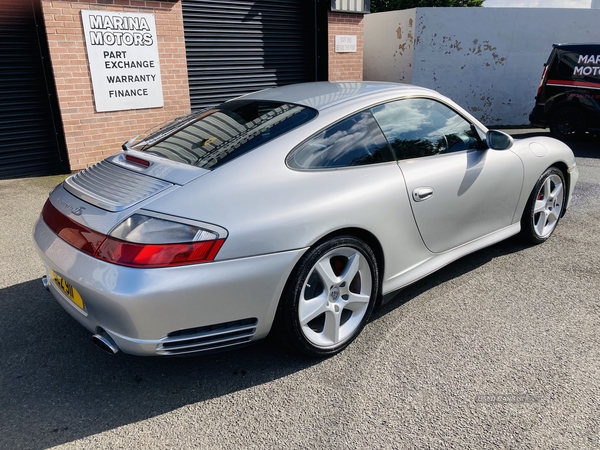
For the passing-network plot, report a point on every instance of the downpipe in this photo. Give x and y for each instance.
(105, 343)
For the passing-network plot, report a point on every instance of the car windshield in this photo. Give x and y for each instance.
(214, 136)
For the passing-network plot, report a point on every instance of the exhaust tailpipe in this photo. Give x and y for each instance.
(46, 283)
(104, 342)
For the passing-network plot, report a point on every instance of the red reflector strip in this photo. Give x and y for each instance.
(542, 80)
(158, 255)
(585, 84)
(80, 237)
(136, 160)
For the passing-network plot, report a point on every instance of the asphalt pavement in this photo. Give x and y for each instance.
(497, 350)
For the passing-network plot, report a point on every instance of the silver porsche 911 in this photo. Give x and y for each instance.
(294, 211)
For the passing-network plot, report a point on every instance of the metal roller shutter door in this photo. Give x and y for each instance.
(237, 47)
(29, 137)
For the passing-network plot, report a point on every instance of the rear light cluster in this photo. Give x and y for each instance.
(139, 241)
(542, 80)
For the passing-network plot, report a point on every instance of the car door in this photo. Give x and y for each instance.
(459, 190)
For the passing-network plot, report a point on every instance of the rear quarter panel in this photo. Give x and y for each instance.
(538, 154)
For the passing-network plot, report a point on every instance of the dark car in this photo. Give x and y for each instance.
(568, 98)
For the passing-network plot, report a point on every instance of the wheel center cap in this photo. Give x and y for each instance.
(334, 293)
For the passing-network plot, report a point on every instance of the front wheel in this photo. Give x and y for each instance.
(544, 207)
(329, 297)
(567, 123)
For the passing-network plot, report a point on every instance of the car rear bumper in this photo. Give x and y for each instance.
(537, 117)
(169, 311)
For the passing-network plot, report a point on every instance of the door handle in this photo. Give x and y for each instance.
(422, 193)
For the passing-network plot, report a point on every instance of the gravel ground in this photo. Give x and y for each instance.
(497, 350)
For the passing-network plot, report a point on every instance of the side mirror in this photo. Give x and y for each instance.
(498, 140)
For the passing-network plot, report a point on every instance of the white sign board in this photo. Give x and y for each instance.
(345, 44)
(123, 55)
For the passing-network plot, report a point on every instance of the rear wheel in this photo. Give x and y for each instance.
(567, 123)
(544, 207)
(329, 297)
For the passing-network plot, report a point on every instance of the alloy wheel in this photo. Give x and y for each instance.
(548, 206)
(335, 297)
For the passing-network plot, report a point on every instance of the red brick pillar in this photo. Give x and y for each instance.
(345, 66)
(90, 135)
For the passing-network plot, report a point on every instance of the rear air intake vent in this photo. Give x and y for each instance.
(208, 338)
(113, 188)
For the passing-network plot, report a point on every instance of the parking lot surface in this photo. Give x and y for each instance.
(497, 350)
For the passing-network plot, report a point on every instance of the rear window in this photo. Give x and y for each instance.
(581, 64)
(567, 62)
(217, 135)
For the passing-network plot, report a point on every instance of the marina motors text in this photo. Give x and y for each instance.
(116, 30)
(587, 70)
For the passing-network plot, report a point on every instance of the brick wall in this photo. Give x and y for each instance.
(92, 136)
(345, 66)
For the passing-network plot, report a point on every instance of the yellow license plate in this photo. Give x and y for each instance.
(67, 288)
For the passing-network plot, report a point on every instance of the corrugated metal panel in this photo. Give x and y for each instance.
(29, 140)
(112, 187)
(238, 47)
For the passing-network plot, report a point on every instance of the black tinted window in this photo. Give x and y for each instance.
(567, 62)
(210, 138)
(580, 66)
(355, 141)
(423, 127)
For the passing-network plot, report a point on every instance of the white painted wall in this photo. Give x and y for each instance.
(389, 46)
(489, 60)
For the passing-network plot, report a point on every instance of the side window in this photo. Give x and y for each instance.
(418, 127)
(567, 62)
(355, 141)
(576, 66)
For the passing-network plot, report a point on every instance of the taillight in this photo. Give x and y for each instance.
(158, 255)
(542, 80)
(148, 241)
(80, 237)
(140, 240)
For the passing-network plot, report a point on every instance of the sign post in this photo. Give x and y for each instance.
(123, 56)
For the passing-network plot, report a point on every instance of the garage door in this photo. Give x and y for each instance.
(238, 47)
(30, 138)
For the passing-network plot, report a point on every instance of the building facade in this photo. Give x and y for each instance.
(80, 77)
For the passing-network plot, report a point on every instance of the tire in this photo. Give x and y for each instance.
(568, 123)
(544, 207)
(329, 297)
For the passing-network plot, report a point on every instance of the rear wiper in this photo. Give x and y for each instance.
(170, 128)
(127, 145)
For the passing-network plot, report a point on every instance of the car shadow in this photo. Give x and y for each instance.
(57, 387)
(586, 147)
(453, 270)
(582, 195)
